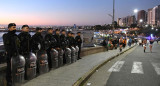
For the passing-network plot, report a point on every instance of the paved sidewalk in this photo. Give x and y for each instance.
(69, 74)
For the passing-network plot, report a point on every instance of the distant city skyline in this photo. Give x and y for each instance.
(68, 12)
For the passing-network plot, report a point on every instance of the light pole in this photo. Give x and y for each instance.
(113, 12)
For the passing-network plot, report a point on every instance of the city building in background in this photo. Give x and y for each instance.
(142, 17)
(127, 21)
(154, 16)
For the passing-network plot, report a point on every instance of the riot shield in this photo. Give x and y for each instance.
(60, 57)
(77, 49)
(54, 58)
(30, 66)
(42, 61)
(73, 56)
(68, 55)
(18, 69)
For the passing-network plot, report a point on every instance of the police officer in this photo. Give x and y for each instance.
(69, 39)
(57, 37)
(51, 42)
(25, 40)
(37, 41)
(73, 39)
(12, 45)
(78, 41)
(63, 43)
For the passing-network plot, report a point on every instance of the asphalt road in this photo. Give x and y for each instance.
(133, 68)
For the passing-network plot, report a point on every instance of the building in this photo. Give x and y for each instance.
(149, 18)
(142, 17)
(154, 16)
(127, 21)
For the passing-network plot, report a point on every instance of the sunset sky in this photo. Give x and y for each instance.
(67, 12)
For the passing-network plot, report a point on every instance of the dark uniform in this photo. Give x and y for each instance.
(51, 41)
(12, 45)
(64, 45)
(78, 42)
(58, 43)
(25, 42)
(69, 40)
(63, 41)
(37, 42)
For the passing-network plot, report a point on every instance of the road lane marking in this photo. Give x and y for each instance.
(116, 67)
(137, 68)
(156, 67)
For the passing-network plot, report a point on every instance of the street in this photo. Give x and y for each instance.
(133, 68)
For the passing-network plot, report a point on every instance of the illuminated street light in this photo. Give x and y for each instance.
(141, 20)
(156, 29)
(146, 25)
(135, 10)
(152, 28)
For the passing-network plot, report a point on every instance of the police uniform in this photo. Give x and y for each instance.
(63, 45)
(69, 40)
(78, 42)
(37, 42)
(58, 43)
(12, 45)
(25, 41)
(51, 42)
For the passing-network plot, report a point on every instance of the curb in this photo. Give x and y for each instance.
(85, 77)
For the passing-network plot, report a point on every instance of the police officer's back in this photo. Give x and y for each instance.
(25, 40)
(12, 45)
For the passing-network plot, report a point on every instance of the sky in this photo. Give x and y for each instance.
(68, 12)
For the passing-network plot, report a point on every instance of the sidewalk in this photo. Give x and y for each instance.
(69, 74)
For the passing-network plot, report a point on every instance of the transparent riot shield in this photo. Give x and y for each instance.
(30, 66)
(54, 58)
(42, 61)
(73, 54)
(60, 57)
(18, 69)
(77, 49)
(68, 55)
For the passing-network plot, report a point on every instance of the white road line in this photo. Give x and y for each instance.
(116, 67)
(137, 68)
(156, 67)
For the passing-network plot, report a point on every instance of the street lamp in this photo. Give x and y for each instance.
(156, 29)
(135, 10)
(152, 28)
(141, 20)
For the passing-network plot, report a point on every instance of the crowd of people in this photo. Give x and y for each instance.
(113, 43)
(24, 43)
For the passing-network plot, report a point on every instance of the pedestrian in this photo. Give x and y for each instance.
(105, 43)
(151, 41)
(129, 42)
(120, 43)
(78, 41)
(12, 46)
(144, 44)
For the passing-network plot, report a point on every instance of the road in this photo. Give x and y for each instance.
(134, 68)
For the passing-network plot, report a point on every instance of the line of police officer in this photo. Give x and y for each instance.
(51, 51)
